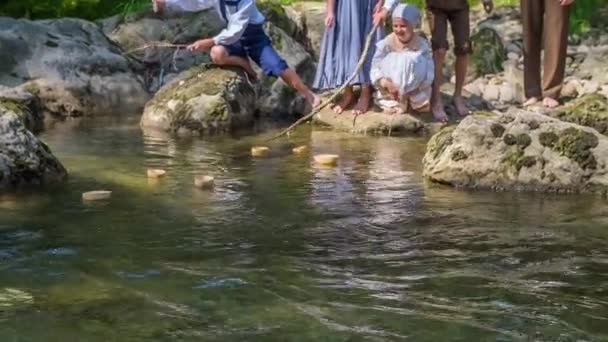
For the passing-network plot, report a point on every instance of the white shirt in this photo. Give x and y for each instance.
(245, 13)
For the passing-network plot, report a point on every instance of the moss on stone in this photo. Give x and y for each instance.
(459, 155)
(589, 110)
(548, 139)
(523, 140)
(533, 124)
(497, 130)
(509, 139)
(488, 54)
(576, 144)
(440, 141)
(515, 158)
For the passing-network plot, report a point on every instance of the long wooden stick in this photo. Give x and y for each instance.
(337, 92)
(156, 45)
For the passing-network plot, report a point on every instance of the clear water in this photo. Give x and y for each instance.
(282, 250)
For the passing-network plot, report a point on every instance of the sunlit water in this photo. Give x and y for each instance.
(282, 250)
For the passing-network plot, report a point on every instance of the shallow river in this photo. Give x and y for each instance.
(282, 250)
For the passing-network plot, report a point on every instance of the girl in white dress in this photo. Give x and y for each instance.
(402, 67)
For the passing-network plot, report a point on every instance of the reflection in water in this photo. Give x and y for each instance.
(284, 250)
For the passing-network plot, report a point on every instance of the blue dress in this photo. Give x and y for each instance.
(343, 44)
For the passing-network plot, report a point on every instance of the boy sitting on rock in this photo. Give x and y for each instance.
(243, 38)
(402, 67)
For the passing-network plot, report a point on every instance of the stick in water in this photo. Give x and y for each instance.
(337, 92)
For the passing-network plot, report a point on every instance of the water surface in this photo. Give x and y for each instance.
(282, 250)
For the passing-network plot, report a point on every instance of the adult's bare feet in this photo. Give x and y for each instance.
(363, 103)
(461, 106)
(550, 102)
(530, 102)
(345, 101)
(439, 112)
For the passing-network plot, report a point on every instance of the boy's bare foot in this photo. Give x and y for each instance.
(550, 102)
(461, 106)
(530, 102)
(362, 105)
(345, 101)
(439, 112)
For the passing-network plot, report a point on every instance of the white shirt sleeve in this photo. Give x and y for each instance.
(390, 5)
(376, 71)
(189, 5)
(237, 23)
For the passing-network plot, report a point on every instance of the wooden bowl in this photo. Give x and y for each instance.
(203, 182)
(97, 195)
(300, 149)
(259, 151)
(156, 173)
(326, 159)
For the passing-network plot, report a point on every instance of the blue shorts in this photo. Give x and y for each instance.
(256, 45)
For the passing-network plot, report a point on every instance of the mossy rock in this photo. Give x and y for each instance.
(497, 130)
(202, 100)
(576, 144)
(440, 141)
(590, 110)
(488, 52)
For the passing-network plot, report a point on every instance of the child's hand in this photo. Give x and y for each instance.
(330, 18)
(488, 6)
(390, 88)
(202, 44)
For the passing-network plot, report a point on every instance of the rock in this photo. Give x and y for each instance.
(488, 53)
(210, 100)
(24, 160)
(589, 110)
(311, 16)
(25, 105)
(570, 88)
(507, 94)
(590, 87)
(491, 92)
(595, 66)
(372, 122)
(292, 22)
(513, 56)
(141, 28)
(275, 98)
(519, 150)
(70, 65)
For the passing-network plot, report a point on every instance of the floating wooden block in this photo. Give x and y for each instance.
(97, 195)
(300, 149)
(259, 151)
(326, 159)
(156, 173)
(203, 182)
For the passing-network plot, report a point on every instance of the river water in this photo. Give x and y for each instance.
(282, 250)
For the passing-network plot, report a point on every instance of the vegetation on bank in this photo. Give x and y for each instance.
(585, 12)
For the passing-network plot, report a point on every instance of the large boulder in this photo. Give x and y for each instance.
(148, 29)
(25, 105)
(519, 150)
(202, 100)
(70, 65)
(309, 17)
(24, 160)
(275, 97)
